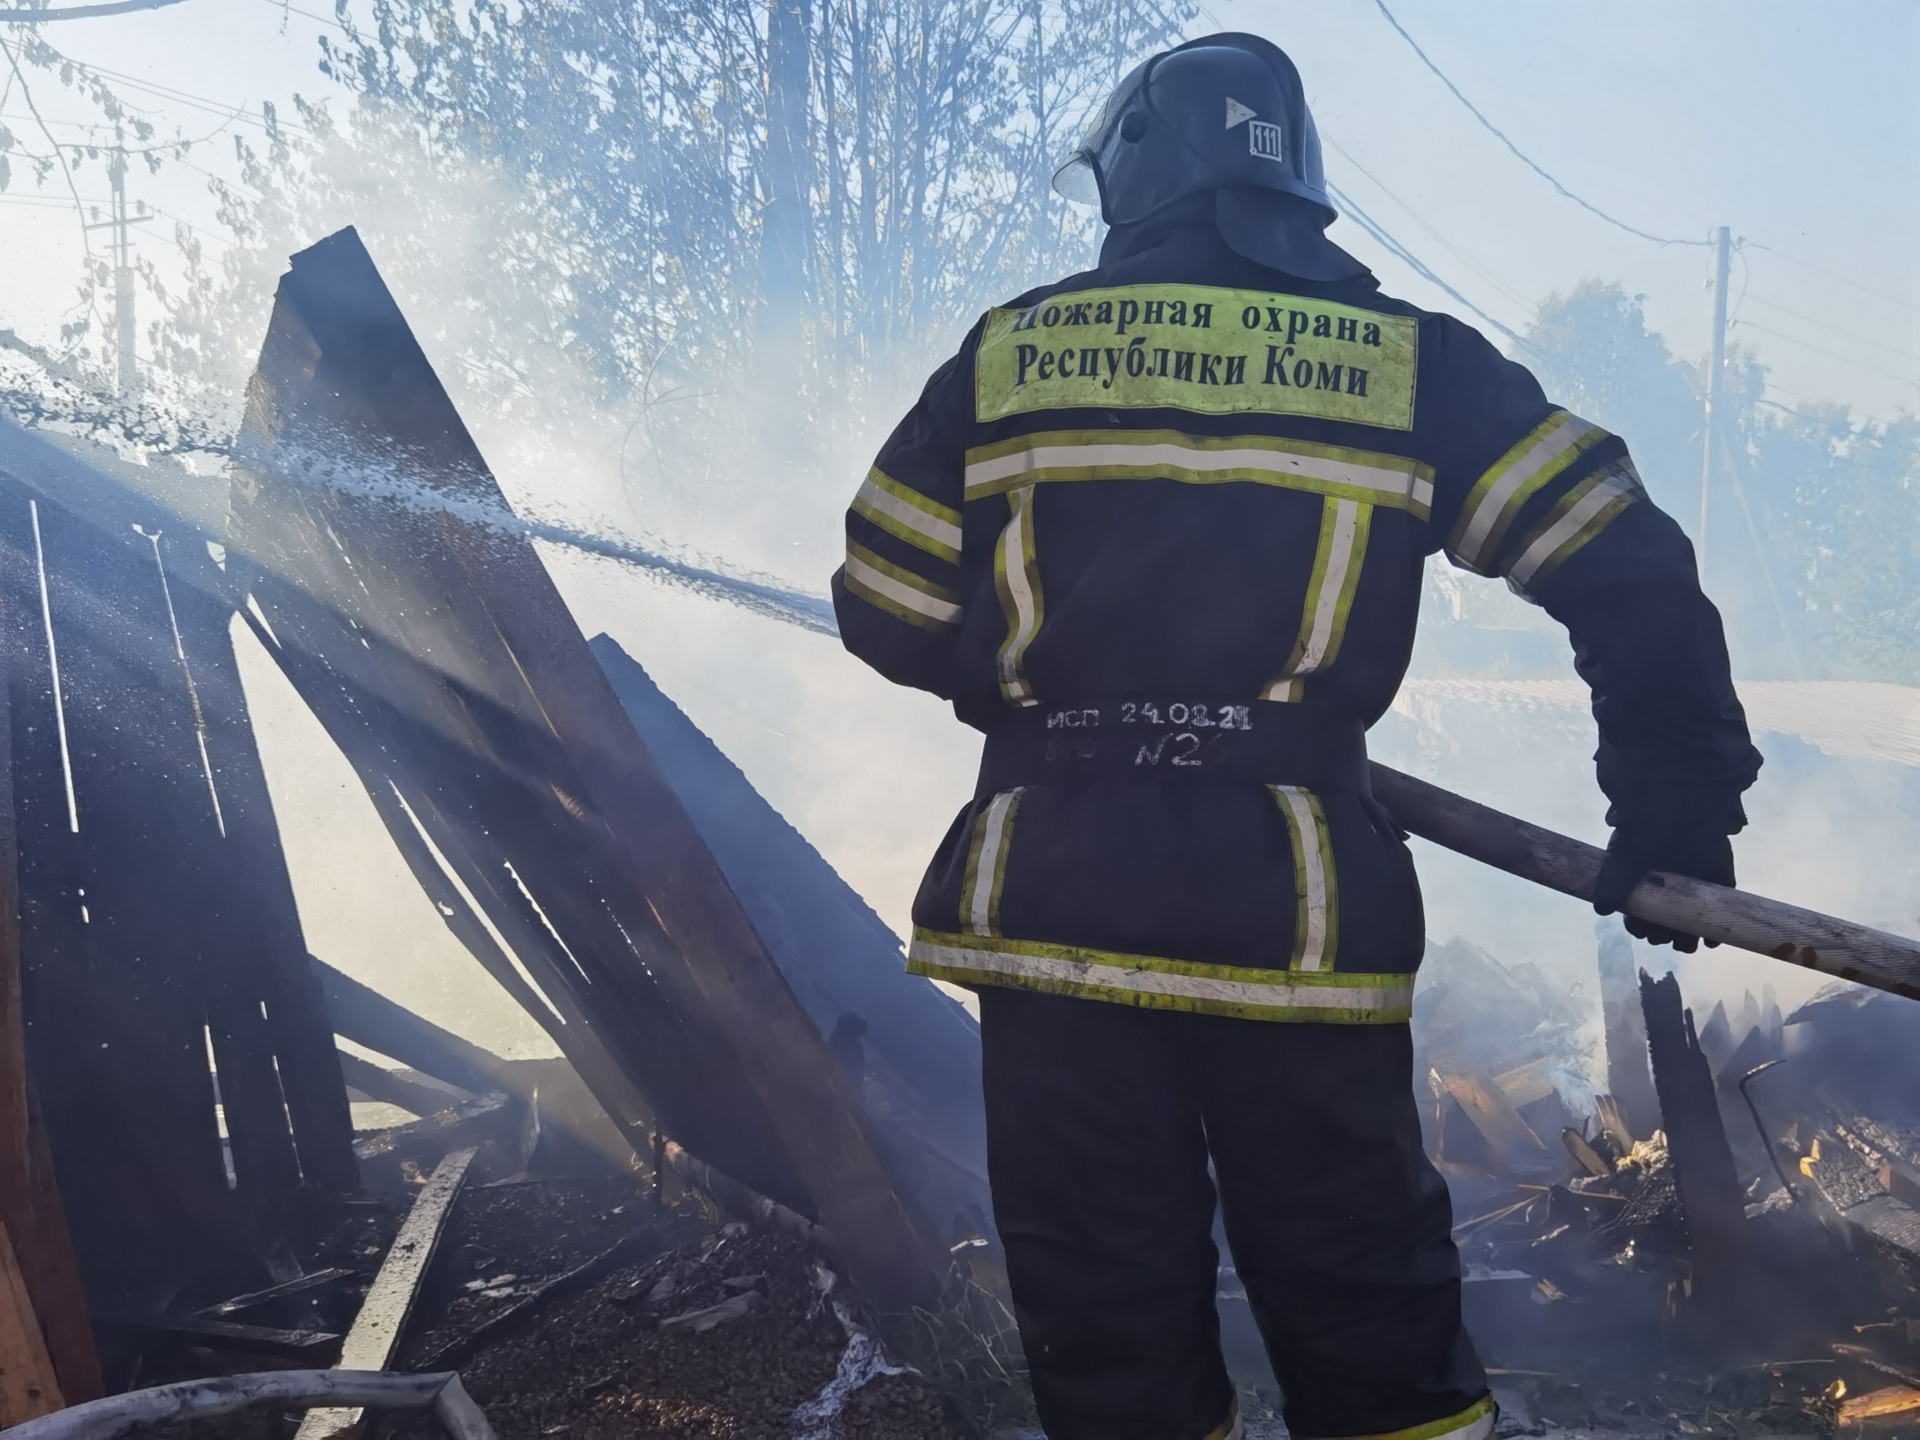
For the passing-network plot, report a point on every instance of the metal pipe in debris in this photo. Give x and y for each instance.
(1695, 907)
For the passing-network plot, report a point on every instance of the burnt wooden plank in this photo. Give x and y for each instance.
(465, 674)
(28, 1386)
(1628, 1079)
(133, 1229)
(261, 954)
(375, 1336)
(146, 931)
(30, 1210)
(1704, 1174)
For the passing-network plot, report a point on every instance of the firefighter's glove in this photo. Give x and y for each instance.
(1636, 849)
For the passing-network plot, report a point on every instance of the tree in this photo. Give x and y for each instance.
(1825, 580)
(874, 167)
(1596, 356)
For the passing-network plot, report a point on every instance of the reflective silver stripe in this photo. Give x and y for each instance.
(1255, 994)
(1604, 497)
(899, 591)
(1313, 876)
(1338, 556)
(1497, 496)
(1017, 578)
(909, 515)
(1373, 478)
(986, 872)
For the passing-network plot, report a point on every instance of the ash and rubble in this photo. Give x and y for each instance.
(1605, 1291)
(1705, 1223)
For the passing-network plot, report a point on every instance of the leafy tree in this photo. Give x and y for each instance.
(687, 168)
(1845, 499)
(1594, 354)
(1811, 548)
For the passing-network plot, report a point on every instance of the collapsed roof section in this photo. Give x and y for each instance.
(428, 639)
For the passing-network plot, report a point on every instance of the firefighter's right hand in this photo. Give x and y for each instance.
(1636, 849)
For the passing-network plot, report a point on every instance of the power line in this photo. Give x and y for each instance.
(1832, 354)
(308, 14)
(1517, 152)
(26, 94)
(1850, 408)
(1847, 334)
(1485, 274)
(1400, 252)
(184, 97)
(1832, 275)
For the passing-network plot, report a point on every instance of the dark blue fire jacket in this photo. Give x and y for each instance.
(1159, 531)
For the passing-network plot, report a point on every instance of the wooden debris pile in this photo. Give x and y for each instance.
(181, 1190)
(1734, 1250)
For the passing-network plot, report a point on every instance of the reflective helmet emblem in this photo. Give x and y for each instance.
(1263, 139)
(1236, 112)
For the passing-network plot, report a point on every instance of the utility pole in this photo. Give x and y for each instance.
(1722, 259)
(120, 222)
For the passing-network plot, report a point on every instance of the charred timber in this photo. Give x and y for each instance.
(1694, 907)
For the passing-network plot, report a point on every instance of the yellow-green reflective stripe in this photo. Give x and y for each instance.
(1583, 513)
(1473, 1423)
(986, 872)
(1364, 475)
(1337, 560)
(1316, 898)
(1326, 995)
(899, 591)
(1498, 495)
(1016, 576)
(909, 516)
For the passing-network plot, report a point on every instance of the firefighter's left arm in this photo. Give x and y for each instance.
(1551, 503)
(897, 596)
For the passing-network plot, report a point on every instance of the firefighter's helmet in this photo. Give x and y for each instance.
(1224, 113)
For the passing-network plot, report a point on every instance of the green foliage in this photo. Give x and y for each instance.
(1843, 498)
(1597, 358)
(1814, 529)
(657, 148)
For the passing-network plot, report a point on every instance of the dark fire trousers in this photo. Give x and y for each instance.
(1101, 1119)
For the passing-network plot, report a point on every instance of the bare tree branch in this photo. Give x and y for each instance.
(80, 12)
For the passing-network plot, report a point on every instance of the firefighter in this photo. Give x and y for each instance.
(1158, 531)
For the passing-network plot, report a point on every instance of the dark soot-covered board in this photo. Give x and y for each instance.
(914, 1052)
(156, 915)
(424, 632)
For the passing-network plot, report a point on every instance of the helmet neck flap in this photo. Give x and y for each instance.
(1225, 113)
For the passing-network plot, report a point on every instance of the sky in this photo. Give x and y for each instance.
(1796, 126)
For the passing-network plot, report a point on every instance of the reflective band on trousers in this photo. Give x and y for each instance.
(1229, 1428)
(908, 515)
(1316, 901)
(1016, 576)
(1498, 496)
(986, 873)
(1473, 1423)
(898, 591)
(1586, 510)
(1337, 558)
(1245, 992)
(1368, 476)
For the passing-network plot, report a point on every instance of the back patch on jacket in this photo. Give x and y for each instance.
(1199, 348)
